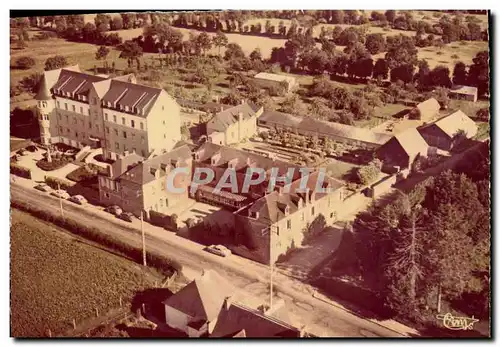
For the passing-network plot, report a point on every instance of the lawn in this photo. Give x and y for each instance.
(56, 278)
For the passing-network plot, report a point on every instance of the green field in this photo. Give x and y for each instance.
(56, 278)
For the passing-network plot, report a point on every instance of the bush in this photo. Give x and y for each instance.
(165, 265)
(20, 171)
(57, 162)
(25, 63)
(367, 174)
(56, 183)
(163, 220)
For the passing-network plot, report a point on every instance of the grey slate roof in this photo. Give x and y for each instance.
(75, 82)
(222, 120)
(203, 297)
(237, 318)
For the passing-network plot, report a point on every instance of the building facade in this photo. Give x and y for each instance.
(116, 114)
(233, 125)
(138, 185)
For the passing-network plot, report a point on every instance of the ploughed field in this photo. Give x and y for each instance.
(56, 278)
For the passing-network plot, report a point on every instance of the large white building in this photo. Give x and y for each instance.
(113, 113)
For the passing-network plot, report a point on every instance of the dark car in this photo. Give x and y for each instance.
(126, 216)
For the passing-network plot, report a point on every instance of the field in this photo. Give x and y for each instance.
(56, 278)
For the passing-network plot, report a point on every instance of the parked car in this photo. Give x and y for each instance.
(126, 216)
(60, 194)
(114, 209)
(78, 199)
(219, 250)
(43, 187)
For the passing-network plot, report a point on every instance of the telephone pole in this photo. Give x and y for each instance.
(143, 242)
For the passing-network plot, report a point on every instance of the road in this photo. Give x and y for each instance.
(321, 317)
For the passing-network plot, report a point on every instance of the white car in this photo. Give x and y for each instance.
(219, 250)
(43, 187)
(78, 199)
(60, 194)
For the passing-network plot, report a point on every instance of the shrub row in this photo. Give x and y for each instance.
(162, 220)
(20, 171)
(164, 265)
(56, 183)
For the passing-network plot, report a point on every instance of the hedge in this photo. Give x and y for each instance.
(56, 183)
(162, 220)
(20, 171)
(164, 265)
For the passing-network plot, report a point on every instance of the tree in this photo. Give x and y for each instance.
(256, 54)
(131, 51)
(390, 15)
(401, 51)
(25, 63)
(402, 73)
(30, 83)
(128, 20)
(460, 74)
(117, 23)
(380, 69)
(440, 76)
(375, 43)
(367, 174)
(56, 62)
(220, 40)
(337, 17)
(102, 53)
(203, 42)
(233, 51)
(479, 73)
(102, 22)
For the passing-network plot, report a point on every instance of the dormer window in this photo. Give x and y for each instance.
(254, 214)
(126, 108)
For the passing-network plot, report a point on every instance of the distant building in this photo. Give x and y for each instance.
(463, 93)
(139, 185)
(448, 131)
(402, 149)
(115, 114)
(234, 124)
(425, 110)
(271, 80)
(309, 126)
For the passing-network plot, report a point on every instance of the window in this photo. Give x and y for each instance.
(58, 104)
(124, 134)
(90, 125)
(67, 118)
(76, 133)
(59, 116)
(66, 106)
(74, 120)
(107, 130)
(134, 150)
(117, 145)
(61, 129)
(123, 120)
(106, 195)
(289, 224)
(161, 202)
(67, 130)
(116, 132)
(114, 118)
(163, 108)
(142, 126)
(132, 123)
(163, 122)
(106, 116)
(164, 136)
(143, 153)
(74, 108)
(302, 216)
(88, 111)
(81, 110)
(312, 211)
(142, 139)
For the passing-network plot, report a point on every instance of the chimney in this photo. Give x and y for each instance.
(228, 301)
(125, 153)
